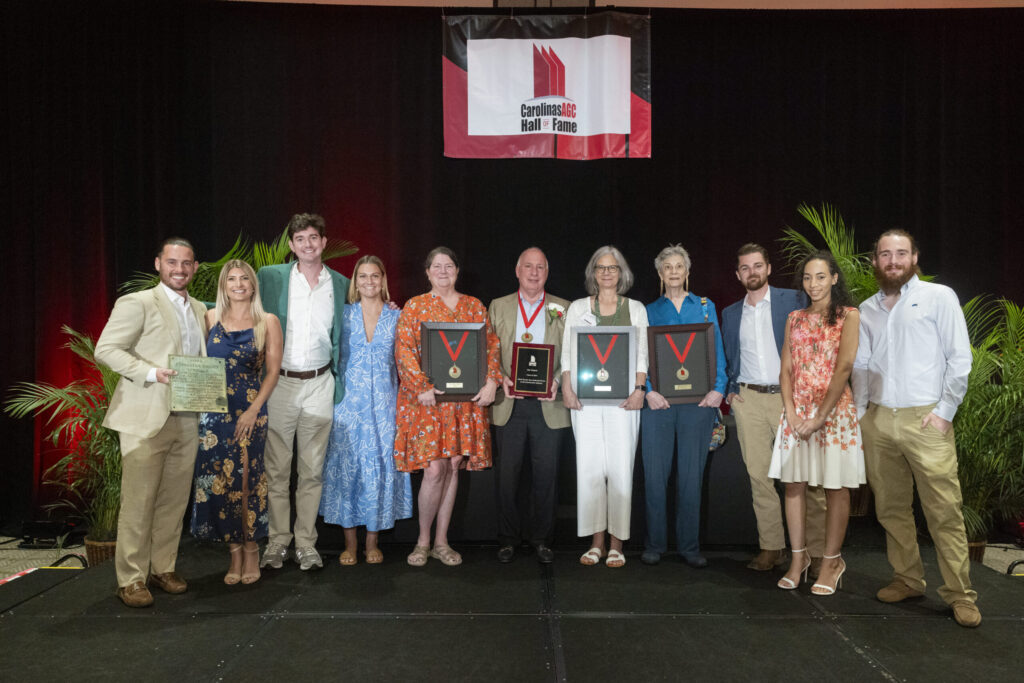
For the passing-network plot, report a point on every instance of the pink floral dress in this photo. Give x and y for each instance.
(833, 457)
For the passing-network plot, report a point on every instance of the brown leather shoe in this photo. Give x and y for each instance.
(966, 613)
(897, 591)
(135, 595)
(169, 582)
(767, 560)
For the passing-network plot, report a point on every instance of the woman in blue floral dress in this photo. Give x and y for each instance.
(361, 485)
(230, 501)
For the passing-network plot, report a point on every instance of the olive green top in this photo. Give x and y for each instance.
(619, 318)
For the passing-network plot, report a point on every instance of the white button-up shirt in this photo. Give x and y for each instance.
(307, 341)
(188, 327)
(917, 354)
(759, 357)
(538, 327)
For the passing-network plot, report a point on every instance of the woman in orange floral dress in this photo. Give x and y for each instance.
(818, 442)
(440, 438)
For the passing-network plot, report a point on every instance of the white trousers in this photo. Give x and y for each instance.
(606, 438)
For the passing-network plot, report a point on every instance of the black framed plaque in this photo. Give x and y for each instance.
(683, 361)
(532, 365)
(605, 370)
(454, 357)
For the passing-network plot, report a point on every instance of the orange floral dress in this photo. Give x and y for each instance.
(833, 457)
(427, 433)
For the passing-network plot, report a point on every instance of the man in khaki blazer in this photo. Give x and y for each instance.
(158, 447)
(536, 425)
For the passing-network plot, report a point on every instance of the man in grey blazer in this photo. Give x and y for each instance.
(158, 447)
(534, 425)
(309, 298)
(753, 331)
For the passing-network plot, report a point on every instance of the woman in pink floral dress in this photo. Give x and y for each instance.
(818, 442)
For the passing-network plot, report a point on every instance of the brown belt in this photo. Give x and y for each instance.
(763, 388)
(305, 374)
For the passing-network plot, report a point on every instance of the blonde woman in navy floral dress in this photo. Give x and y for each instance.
(230, 500)
(818, 441)
(361, 485)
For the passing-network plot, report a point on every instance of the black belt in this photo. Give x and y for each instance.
(305, 374)
(763, 388)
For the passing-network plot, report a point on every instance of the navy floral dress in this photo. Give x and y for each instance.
(230, 502)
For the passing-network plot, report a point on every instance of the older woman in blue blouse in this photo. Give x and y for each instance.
(686, 427)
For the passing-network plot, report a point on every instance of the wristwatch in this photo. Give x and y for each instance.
(641, 387)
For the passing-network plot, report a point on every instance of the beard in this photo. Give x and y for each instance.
(754, 283)
(892, 282)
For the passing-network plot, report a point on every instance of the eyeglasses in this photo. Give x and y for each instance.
(606, 269)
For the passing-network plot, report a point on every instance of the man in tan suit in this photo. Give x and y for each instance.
(158, 447)
(536, 425)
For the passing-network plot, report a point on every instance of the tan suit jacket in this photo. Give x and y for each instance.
(503, 313)
(142, 332)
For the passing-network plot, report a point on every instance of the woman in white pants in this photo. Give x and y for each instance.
(606, 436)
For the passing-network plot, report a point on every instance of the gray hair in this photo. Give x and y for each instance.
(625, 274)
(669, 251)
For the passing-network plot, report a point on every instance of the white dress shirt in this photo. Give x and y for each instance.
(759, 358)
(307, 341)
(538, 327)
(917, 354)
(188, 327)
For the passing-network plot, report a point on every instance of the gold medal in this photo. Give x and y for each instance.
(602, 375)
(682, 373)
(454, 372)
(527, 337)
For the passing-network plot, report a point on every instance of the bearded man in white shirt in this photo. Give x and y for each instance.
(909, 378)
(309, 299)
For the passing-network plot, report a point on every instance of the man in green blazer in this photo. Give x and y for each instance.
(309, 298)
(537, 424)
(158, 447)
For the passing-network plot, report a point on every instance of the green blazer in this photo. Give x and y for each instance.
(273, 282)
(503, 313)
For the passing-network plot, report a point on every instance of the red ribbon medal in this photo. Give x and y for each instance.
(682, 373)
(602, 374)
(527, 337)
(454, 371)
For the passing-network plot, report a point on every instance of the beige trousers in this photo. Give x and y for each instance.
(299, 411)
(156, 478)
(898, 455)
(757, 420)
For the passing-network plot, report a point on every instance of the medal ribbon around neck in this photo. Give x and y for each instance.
(681, 357)
(522, 311)
(602, 359)
(454, 354)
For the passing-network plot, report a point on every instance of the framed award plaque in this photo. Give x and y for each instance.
(454, 357)
(605, 363)
(683, 362)
(532, 366)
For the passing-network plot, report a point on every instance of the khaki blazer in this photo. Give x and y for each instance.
(503, 313)
(141, 333)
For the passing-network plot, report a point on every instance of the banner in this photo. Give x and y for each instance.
(547, 86)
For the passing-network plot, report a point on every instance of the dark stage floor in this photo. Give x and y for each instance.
(485, 621)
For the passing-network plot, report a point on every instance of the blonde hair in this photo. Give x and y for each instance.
(353, 290)
(259, 316)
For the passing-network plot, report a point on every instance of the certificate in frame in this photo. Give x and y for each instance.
(532, 366)
(454, 357)
(683, 362)
(605, 369)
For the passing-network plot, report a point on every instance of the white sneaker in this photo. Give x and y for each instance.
(308, 558)
(274, 556)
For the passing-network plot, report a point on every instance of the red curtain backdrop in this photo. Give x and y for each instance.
(127, 122)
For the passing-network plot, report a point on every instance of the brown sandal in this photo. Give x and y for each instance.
(374, 556)
(419, 556)
(347, 558)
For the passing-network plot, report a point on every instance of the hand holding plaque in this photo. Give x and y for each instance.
(532, 366)
(200, 385)
(454, 357)
(682, 361)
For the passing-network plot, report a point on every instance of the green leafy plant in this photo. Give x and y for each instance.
(257, 254)
(989, 425)
(89, 474)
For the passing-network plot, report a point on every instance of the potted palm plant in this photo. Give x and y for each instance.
(989, 424)
(88, 476)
